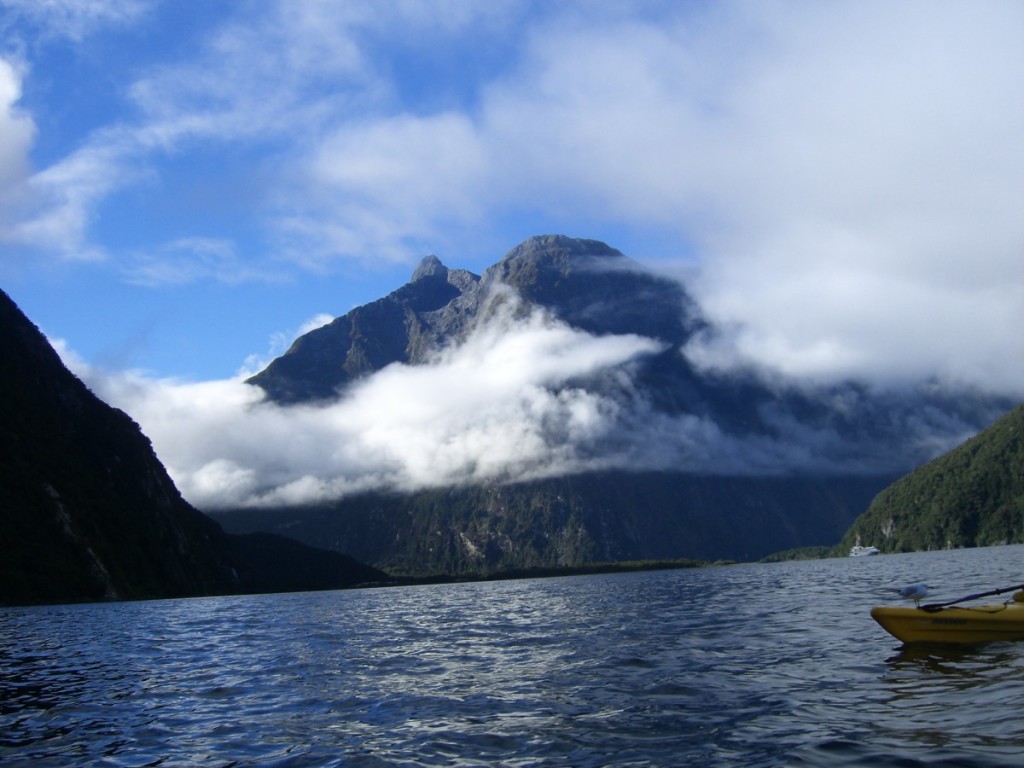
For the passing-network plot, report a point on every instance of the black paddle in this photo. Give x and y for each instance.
(932, 607)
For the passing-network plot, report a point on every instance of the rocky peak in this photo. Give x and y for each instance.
(585, 283)
(561, 245)
(553, 256)
(431, 266)
(596, 288)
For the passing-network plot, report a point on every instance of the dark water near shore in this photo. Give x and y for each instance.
(743, 665)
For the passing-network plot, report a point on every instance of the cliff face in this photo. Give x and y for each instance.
(88, 512)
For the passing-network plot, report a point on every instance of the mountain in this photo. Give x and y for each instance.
(972, 496)
(596, 289)
(583, 282)
(87, 511)
(691, 463)
(573, 520)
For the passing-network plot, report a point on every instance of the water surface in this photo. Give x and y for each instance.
(773, 664)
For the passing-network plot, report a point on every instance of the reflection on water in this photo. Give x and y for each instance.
(744, 665)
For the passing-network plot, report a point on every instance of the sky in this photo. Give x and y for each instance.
(185, 187)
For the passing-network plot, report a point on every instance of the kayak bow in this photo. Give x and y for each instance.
(954, 625)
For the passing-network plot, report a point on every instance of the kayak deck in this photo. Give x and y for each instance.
(953, 625)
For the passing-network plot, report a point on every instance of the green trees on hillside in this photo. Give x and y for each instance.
(972, 496)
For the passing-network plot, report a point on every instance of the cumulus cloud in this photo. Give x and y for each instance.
(378, 185)
(847, 179)
(502, 408)
(848, 176)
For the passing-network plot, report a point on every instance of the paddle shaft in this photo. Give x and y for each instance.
(939, 606)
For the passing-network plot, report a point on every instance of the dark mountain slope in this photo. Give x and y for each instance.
(971, 496)
(607, 517)
(87, 512)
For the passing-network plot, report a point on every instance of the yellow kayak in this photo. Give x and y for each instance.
(955, 624)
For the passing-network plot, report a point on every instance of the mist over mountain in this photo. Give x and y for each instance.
(565, 360)
(649, 406)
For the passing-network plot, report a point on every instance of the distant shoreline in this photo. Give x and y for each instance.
(544, 572)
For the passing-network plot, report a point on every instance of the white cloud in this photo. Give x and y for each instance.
(51, 208)
(849, 177)
(870, 225)
(60, 200)
(17, 131)
(16, 128)
(500, 407)
(406, 175)
(523, 397)
(510, 404)
(852, 180)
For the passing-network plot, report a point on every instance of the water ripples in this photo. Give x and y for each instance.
(744, 665)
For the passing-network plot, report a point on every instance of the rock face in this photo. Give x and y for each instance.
(971, 496)
(87, 511)
(596, 288)
(402, 327)
(844, 442)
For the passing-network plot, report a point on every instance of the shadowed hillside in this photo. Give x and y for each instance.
(87, 511)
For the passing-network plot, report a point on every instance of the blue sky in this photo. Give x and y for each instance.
(185, 186)
(183, 182)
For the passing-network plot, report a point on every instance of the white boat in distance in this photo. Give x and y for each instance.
(859, 551)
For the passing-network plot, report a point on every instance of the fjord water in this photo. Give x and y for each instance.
(766, 664)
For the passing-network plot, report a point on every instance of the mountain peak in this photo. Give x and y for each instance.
(431, 266)
(561, 246)
(596, 288)
(552, 259)
(585, 283)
